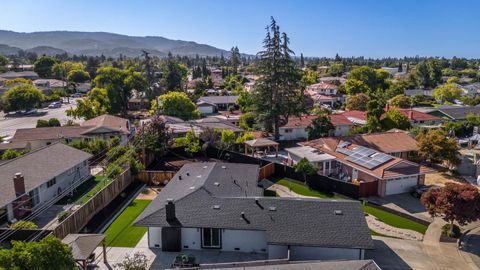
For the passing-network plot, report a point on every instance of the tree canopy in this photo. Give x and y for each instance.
(401, 101)
(447, 92)
(435, 146)
(357, 102)
(43, 66)
(395, 119)
(94, 104)
(179, 105)
(320, 127)
(22, 97)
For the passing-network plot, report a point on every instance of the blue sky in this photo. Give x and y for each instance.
(372, 28)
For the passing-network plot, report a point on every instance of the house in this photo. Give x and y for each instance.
(178, 127)
(309, 265)
(49, 84)
(83, 87)
(39, 177)
(352, 162)
(334, 80)
(417, 118)
(206, 108)
(427, 93)
(220, 206)
(450, 112)
(472, 89)
(11, 75)
(325, 93)
(137, 104)
(104, 126)
(222, 102)
(295, 129)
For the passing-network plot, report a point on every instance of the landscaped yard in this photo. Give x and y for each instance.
(395, 220)
(121, 233)
(304, 190)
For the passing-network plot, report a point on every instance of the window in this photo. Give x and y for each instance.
(211, 238)
(51, 182)
(288, 130)
(396, 154)
(327, 165)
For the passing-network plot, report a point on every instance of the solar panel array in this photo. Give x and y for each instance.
(364, 156)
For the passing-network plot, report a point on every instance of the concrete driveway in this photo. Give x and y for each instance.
(403, 203)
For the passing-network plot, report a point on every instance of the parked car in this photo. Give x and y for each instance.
(31, 112)
(418, 190)
(56, 104)
(77, 95)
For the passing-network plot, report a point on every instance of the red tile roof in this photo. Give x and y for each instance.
(356, 114)
(339, 119)
(418, 116)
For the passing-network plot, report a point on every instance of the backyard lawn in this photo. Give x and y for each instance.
(395, 220)
(121, 233)
(304, 190)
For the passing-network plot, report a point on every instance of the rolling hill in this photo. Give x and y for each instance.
(97, 43)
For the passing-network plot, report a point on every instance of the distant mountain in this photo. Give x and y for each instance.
(97, 43)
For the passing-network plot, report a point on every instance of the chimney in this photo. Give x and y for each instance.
(410, 114)
(170, 210)
(19, 184)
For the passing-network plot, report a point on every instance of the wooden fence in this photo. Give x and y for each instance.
(80, 217)
(155, 177)
(266, 171)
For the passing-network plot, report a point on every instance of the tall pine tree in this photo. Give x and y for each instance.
(278, 93)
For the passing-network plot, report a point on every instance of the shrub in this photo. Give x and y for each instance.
(53, 122)
(10, 154)
(23, 224)
(454, 233)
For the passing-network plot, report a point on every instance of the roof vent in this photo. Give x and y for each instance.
(216, 184)
(338, 212)
(224, 167)
(199, 176)
(188, 174)
(192, 187)
(205, 167)
(272, 208)
(216, 207)
(179, 177)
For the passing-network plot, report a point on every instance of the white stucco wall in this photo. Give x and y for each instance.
(70, 179)
(205, 109)
(244, 241)
(277, 252)
(191, 237)
(342, 130)
(295, 134)
(300, 253)
(155, 237)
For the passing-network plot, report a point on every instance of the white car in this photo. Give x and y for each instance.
(54, 105)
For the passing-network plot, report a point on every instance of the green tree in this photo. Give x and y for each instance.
(22, 97)
(395, 119)
(17, 80)
(435, 146)
(48, 253)
(357, 102)
(61, 70)
(278, 93)
(174, 75)
(305, 168)
(227, 138)
(94, 104)
(320, 127)
(78, 76)
(245, 101)
(447, 92)
(309, 77)
(235, 58)
(401, 101)
(137, 261)
(374, 79)
(178, 104)
(354, 86)
(119, 85)
(336, 69)
(155, 136)
(43, 66)
(247, 121)
(3, 64)
(191, 142)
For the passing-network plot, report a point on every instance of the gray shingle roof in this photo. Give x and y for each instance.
(215, 195)
(459, 112)
(309, 222)
(38, 167)
(316, 265)
(219, 179)
(219, 99)
(83, 244)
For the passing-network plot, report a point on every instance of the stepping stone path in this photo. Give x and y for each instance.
(379, 227)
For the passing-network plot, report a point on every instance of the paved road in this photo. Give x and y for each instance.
(9, 125)
(470, 246)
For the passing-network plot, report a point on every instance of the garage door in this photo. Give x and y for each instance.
(401, 185)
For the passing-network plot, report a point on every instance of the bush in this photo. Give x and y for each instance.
(113, 170)
(455, 233)
(53, 122)
(63, 215)
(23, 224)
(10, 154)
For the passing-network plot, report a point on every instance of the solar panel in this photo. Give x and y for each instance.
(382, 157)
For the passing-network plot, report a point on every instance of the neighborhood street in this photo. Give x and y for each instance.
(8, 125)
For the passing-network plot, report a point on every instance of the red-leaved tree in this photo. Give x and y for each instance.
(453, 202)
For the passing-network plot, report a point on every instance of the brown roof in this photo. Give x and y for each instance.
(386, 142)
(109, 121)
(391, 168)
(48, 133)
(261, 142)
(305, 121)
(339, 119)
(418, 116)
(322, 86)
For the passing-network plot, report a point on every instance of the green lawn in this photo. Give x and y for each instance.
(269, 193)
(121, 233)
(395, 220)
(100, 182)
(304, 190)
